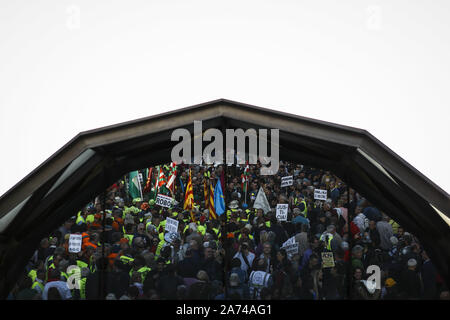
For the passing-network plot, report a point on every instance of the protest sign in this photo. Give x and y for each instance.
(287, 181)
(164, 201)
(75, 243)
(327, 260)
(171, 225)
(282, 211)
(320, 194)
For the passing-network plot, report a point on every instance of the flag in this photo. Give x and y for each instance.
(244, 177)
(148, 186)
(212, 210)
(156, 182)
(161, 178)
(219, 201)
(206, 184)
(261, 201)
(189, 197)
(134, 185)
(172, 176)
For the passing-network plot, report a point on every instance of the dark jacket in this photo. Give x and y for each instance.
(410, 284)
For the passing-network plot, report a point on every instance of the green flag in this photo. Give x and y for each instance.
(134, 185)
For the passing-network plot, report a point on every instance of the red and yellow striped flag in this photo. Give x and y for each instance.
(189, 197)
(212, 211)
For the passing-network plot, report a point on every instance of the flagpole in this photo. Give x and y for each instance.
(140, 187)
(157, 183)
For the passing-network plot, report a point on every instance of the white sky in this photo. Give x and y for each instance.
(70, 66)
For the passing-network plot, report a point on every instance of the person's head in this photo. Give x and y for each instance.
(181, 292)
(331, 229)
(235, 263)
(244, 247)
(281, 255)
(394, 240)
(424, 255)
(358, 273)
(160, 263)
(322, 218)
(261, 265)
(372, 225)
(357, 252)
(412, 264)
(202, 276)
(193, 244)
(267, 248)
(140, 228)
(209, 253)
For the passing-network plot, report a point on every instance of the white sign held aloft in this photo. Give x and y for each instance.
(289, 241)
(171, 225)
(287, 181)
(75, 243)
(164, 201)
(320, 194)
(282, 211)
(291, 249)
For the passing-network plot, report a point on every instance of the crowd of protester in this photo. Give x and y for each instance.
(126, 253)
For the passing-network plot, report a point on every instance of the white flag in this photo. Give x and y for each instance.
(261, 201)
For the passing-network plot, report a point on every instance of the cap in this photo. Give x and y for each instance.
(412, 262)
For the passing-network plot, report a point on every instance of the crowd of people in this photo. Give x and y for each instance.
(126, 253)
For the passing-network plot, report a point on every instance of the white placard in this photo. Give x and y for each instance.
(75, 241)
(291, 249)
(289, 241)
(287, 181)
(164, 201)
(258, 278)
(320, 194)
(282, 211)
(171, 225)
